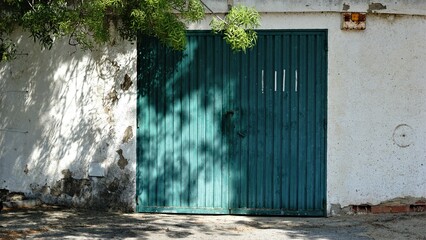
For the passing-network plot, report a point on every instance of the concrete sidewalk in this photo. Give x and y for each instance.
(57, 223)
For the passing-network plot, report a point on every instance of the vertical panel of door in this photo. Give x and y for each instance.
(233, 112)
(286, 115)
(268, 159)
(180, 159)
(160, 126)
(209, 127)
(152, 162)
(143, 133)
(193, 121)
(261, 113)
(294, 123)
(217, 88)
(243, 129)
(278, 102)
(201, 116)
(321, 116)
(311, 128)
(302, 123)
(226, 125)
(254, 86)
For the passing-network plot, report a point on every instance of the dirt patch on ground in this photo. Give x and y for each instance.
(19, 234)
(60, 223)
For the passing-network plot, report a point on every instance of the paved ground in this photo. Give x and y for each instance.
(55, 223)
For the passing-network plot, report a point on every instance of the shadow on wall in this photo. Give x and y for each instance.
(62, 109)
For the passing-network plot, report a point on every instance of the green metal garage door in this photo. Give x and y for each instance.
(233, 133)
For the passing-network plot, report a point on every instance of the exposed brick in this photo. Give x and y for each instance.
(376, 209)
(390, 209)
(364, 208)
(400, 209)
(418, 207)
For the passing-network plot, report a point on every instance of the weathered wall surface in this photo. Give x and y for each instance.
(376, 107)
(408, 7)
(62, 111)
(376, 131)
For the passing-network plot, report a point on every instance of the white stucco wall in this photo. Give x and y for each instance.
(406, 7)
(376, 82)
(57, 114)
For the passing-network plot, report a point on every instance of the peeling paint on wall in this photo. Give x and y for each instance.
(122, 162)
(114, 185)
(375, 7)
(127, 83)
(128, 134)
(110, 192)
(113, 97)
(346, 7)
(73, 107)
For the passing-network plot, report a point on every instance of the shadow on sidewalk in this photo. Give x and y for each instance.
(60, 223)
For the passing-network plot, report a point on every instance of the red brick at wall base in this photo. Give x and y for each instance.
(390, 209)
(419, 206)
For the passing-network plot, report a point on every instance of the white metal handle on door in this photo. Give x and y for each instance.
(275, 81)
(295, 85)
(284, 80)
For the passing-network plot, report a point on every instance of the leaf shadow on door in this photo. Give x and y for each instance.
(184, 124)
(233, 131)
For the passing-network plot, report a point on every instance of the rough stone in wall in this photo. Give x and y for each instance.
(127, 83)
(128, 134)
(122, 162)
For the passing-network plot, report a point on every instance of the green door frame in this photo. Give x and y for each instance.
(300, 42)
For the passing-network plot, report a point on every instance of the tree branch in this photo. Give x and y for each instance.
(207, 7)
(31, 5)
